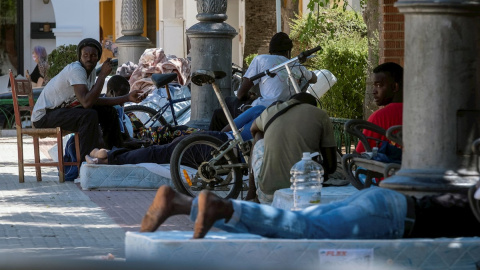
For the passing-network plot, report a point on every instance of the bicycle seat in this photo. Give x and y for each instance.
(201, 76)
(163, 79)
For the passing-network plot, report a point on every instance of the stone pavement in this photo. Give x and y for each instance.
(48, 218)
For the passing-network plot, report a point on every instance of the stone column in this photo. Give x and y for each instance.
(131, 45)
(211, 41)
(441, 115)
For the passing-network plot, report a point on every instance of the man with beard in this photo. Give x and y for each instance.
(71, 100)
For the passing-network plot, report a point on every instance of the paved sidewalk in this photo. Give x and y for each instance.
(49, 218)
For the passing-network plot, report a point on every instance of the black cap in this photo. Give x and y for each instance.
(280, 42)
(89, 42)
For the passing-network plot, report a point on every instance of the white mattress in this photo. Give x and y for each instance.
(171, 247)
(139, 176)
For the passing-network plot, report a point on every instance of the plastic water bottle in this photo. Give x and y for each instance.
(306, 178)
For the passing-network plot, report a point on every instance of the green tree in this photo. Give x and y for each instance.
(60, 57)
(342, 35)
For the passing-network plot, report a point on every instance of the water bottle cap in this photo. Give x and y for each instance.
(306, 156)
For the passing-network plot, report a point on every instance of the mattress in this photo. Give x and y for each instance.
(135, 176)
(247, 251)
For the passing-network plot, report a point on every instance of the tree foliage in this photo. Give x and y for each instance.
(342, 35)
(60, 57)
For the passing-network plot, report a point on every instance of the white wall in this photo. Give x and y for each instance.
(171, 35)
(118, 14)
(76, 20)
(236, 19)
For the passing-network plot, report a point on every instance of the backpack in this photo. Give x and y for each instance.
(71, 172)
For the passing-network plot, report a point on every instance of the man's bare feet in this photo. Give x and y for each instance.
(91, 160)
(210, 209)
(167, 203)
(99, 153)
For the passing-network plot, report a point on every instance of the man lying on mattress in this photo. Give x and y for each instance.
(161, 154)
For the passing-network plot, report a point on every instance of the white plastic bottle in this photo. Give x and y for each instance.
(306, 178)
(325, 81)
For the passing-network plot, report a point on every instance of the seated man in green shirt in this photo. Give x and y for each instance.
(302, 128)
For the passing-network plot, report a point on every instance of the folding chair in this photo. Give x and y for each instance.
(21, 89)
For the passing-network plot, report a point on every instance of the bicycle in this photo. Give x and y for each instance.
(201, 161)
(154, 118)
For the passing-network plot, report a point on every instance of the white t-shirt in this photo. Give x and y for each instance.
(59, 92)
(278, 87)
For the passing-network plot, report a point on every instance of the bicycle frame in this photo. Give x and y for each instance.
(238, 140)
(170, 104)
(205, 76)
(302, 57)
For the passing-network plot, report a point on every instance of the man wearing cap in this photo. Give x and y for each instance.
(71, 100)
(271, 88)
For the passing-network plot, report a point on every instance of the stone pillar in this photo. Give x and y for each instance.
(441, 116)
(131, 45)
(211, 41)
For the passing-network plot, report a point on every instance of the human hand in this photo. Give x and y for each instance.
(106, 68)
(137, 96)
(252, 95)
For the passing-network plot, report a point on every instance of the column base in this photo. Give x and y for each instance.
(130, 48)
(419, 183)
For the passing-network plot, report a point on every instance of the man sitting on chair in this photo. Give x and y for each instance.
(71, 100)
(388, 92)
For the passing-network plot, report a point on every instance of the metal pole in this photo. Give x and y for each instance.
(211, 41)
(278, 7)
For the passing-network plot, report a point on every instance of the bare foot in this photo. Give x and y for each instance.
(167, 203)
(91, 160)
(99, 153)
(210, 209)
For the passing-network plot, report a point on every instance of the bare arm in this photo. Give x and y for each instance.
(257, 134)
(329, 155)
(39, 82)
(242, 93)
(134, 96)
(89, 98)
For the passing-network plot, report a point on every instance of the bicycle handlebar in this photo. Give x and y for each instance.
(302, 57)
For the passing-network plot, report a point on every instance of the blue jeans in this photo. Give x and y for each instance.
(373, 213)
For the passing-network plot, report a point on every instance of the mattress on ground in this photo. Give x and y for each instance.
(245, 250)
(141, 176)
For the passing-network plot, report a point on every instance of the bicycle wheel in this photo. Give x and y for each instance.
(143, 118)
(191, 172)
